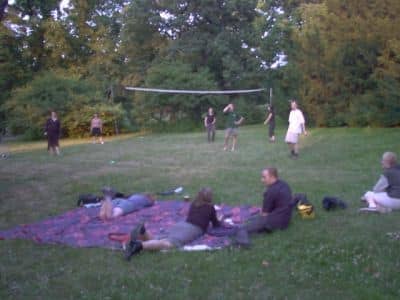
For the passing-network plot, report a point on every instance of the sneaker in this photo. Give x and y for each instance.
(369, 209)
(102, 142)
(138, 230)
(132, 248)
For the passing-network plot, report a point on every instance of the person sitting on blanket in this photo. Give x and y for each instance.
(276, 209)
(114, 207)
(385, 196)
(201, 213)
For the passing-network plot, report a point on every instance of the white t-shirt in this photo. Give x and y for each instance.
(296, 119)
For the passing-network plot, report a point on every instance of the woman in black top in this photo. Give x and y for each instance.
(201, 213)
(209, 123)
(270, 120)
(52, 131)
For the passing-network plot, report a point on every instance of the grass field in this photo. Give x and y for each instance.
(341, 254)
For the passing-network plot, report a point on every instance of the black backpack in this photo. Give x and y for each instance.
(87, 199)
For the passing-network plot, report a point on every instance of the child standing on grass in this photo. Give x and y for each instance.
(53, 130)
(270, 120)
(96, 129)
(209, 123)
(232, 123)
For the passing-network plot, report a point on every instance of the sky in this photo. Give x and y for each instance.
(63, 4)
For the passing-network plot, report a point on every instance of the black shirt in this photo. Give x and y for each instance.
(277, 203)
(393, 176)
(209, 119)
(202, 215)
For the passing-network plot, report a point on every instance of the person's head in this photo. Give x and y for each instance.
(210, 111)
(204, 197)
(389, 159)
(151, 198)
(293, 104)
(53, 114)
(96, 115)
(269, 176)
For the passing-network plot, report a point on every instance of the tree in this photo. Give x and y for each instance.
(342, 51)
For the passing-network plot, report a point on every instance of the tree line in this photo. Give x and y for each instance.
(342, 61)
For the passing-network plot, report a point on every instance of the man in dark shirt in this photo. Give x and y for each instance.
(276, 210)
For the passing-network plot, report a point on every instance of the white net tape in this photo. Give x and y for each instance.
(225, 92)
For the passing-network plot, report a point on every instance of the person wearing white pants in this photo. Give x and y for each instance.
(385, 195)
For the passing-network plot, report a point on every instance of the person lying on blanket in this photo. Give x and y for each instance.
(276, 209)
(113, 208)
(201, 213)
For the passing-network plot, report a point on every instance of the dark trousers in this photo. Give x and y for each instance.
(255, 224)
(210, 132)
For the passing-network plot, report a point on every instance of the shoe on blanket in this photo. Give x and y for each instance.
(132, 248)
(138, 230)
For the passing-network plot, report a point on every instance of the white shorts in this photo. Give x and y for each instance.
(292, 138)
(383, 200)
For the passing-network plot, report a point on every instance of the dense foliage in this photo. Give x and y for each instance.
(342, 61)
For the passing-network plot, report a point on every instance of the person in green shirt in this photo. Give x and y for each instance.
(232, 122)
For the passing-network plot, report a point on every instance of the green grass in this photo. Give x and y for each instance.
(338, 254)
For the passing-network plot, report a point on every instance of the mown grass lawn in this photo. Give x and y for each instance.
(341, 254)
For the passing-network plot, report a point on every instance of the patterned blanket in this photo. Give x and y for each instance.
(81, 227)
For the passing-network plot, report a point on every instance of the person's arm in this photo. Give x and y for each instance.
(215, 120)
(214, 219)
(303, 128)
(268, 118)
(303, 124)
(239, 121)
(268, 203)
(381, 185)
(205, 121)
(227, 108)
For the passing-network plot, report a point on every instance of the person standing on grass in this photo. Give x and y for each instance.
(201, 213)
(276, 209)
(53, 131)
(385, 196)
(296, 127)
(270, 120)
(96, 129)
(232, 123)
(209, 123)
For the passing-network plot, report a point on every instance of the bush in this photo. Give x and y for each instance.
(74, 100)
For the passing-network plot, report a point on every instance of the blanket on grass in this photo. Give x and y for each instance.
(82, 227)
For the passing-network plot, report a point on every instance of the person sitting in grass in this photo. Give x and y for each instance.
(385, 196)
(201, 213)
(276, 209)
(115, 207)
